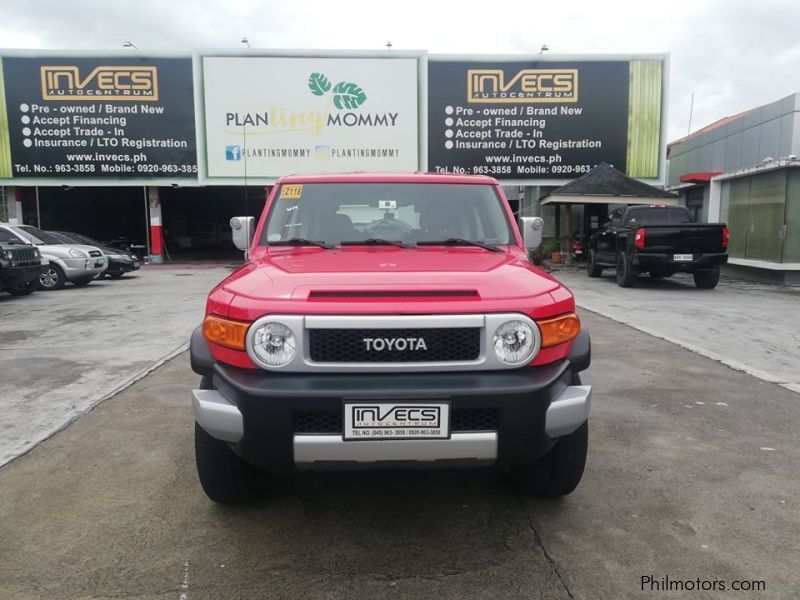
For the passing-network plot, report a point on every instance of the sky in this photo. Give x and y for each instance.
(732, 55)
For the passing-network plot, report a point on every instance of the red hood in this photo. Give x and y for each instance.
(282, 280)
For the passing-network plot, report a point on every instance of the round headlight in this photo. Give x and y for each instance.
(74, 252)
(514, 342)
(273, 344)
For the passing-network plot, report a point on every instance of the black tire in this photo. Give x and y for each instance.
(592, 268)
(225, 478)
(706, 280)
(559, 471)
(24, 289)
(52, 278)
(82, 282)
(626, 274)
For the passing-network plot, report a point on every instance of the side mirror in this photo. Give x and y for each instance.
(243, 229)
(532, 232)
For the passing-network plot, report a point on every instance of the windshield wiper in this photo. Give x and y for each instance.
(296, 241)
(459, 242)
(376, 242)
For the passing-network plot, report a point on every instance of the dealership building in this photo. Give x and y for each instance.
(744, 170)
(162, 149)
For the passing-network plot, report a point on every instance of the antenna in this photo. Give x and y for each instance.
(244, 151)
(691, 110)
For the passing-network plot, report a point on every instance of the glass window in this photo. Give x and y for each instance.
(766, 216)
(657, 216)
(791, 240)
(738, 215)
(7, 237)
(405, 212)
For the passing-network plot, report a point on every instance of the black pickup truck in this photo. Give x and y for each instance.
(659, 240)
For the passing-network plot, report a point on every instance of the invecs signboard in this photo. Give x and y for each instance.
(268, 116)
(546, 120)
(111, 117)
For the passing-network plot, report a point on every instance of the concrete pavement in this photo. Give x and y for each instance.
(748, 326)
(692, 473)
(62, 352)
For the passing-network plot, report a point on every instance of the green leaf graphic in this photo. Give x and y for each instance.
(348, 95)
(318, 84)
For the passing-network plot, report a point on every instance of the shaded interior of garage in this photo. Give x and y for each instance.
(196, 220)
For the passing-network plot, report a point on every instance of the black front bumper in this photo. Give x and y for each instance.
(116, 266)
(667, 263)
(269, 402)
(18, 276)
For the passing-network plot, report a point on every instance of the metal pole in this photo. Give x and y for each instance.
(691, 110)
(38, 213)
(147, 220)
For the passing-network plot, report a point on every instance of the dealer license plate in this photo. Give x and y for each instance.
(396, 420)
(682, 257)
(136, 264)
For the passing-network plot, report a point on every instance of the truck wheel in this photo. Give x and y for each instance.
(225, 477)
(52, 278)
(706, 280)
(626, 274)
(592, 268)
(559, 471)
(24, 289)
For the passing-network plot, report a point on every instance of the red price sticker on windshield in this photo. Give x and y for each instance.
(291, 192)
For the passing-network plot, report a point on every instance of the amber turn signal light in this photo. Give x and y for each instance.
(226, 333)
(559, 330)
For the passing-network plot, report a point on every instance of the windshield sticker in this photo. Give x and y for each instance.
(292, 192)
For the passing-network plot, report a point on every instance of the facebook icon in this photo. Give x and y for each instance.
(233, 153)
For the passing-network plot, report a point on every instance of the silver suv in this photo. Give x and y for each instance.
(77, 263)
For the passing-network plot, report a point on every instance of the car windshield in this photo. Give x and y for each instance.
(37, 236)
(333, 213)
(658, 216)
(75, 238)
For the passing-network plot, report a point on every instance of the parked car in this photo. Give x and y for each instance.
(659, 240)
(119, 261)
(77, 263)
(20, 265)
(423, 337)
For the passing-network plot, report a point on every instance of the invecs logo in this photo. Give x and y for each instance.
(528, 85)
(102, 83)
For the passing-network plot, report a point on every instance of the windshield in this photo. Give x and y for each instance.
(401, 212)
(658, 216)
(75, 238)
(37, 236)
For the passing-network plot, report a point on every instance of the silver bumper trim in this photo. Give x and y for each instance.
(220, 418)
(310, 449)
(568, 412)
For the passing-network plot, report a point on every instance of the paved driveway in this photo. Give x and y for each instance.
(748, 326)
(692, 474)
(62, 352)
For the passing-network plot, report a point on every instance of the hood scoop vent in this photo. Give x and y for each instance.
(392, 294)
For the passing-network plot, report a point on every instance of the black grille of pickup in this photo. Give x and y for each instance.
(95, 253)
(25, 256)
(330, 421)
(394, 345)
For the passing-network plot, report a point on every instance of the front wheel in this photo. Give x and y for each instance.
(224, 476)
(626, 273)
(592, 268)
(52, 278)
(706, 280)
(559, 471)
(24, 289)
